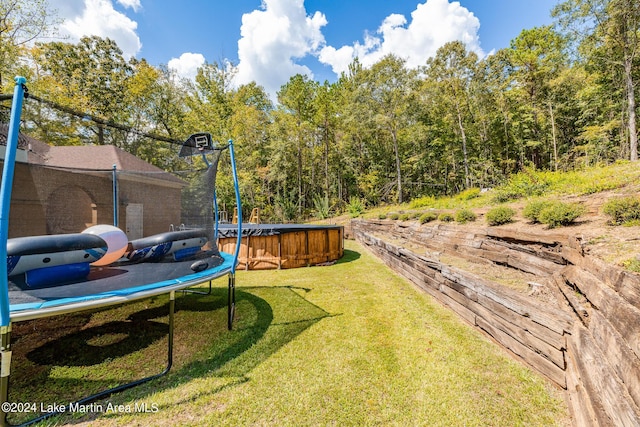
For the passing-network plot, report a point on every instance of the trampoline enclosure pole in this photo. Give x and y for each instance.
(5, 201)
(5, 194)
(236, 187)
(236, 254)
(115, 195)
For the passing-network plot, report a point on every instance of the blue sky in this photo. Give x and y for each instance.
(271, 40)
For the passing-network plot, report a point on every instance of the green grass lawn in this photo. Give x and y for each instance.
(348, 344)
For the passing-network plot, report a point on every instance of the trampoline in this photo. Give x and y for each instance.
(150, 268)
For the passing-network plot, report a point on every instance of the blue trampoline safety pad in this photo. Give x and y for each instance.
(111, 285)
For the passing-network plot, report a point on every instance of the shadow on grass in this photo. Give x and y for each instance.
(76, 363)
(349, 256)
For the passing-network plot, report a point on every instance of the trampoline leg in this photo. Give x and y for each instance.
(193, 291)
(5, 352)
(118, 389)
(172, 309)
(231, 300)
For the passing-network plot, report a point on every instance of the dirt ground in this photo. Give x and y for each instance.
(612, 244)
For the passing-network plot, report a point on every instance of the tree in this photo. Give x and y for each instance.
(608, 31)
(249, 129)
(536, 57)
(326, 123)
(91, 77)
(21, 22)
(453, 69)
(296, 97)
(390, 86)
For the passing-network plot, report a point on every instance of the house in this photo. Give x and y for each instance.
(66, 189)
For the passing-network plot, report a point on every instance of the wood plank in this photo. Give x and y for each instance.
(609, 398)
(579, 307)
(551, 317)
(623, 316)
(554, 338)
(554, 319)
(458, 308)
(581, 405)
(619, 356)
(527, 332)
(540, 363)
(555, 282)
(531, 264)
(522, 335)
(519, 236)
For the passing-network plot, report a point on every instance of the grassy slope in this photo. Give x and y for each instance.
(349, 344)
(622, 178)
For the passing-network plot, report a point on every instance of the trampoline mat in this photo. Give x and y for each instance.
(116, 280)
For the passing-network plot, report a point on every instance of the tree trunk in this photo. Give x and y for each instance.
(100, 135)
(631, 108)
(299, 178)
(326, 160)
(394, 135)
(463, 136)
(555, 142)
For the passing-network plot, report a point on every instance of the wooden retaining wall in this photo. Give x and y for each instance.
(586, 340)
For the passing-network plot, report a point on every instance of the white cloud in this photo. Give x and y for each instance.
(273, 38)
(432, 24)
(187, 65)
(99, 18)
(133, 4)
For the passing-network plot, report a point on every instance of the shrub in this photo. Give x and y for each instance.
(321, 205)
(404, 217)
(427, 217)
(445, 217)
(632, 264)
(500, 215)
(524, 184)
(355, 207)
(394, 216)
(558, 214)
(468, 194)
(622, 210)
(423, 202)
(465, 215)
(532, 210)
(382, 216)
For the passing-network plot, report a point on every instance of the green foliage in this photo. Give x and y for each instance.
(622, 210)
(321, 205)
(468, 194)
(465, 215)
(394, 216)
(552, 213)
(632, 264)
(355, 207)
(382, 216)
(532, 210)
(445, 217)
(404, 217)
(427, 217)
(523, 184)
(558, 214)
(286, 208)
(380, 133)
(423, 202)
(500, 215)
